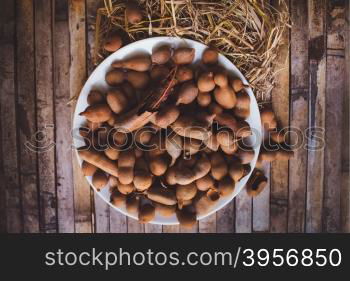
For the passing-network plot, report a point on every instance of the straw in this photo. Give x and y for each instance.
(248, 32)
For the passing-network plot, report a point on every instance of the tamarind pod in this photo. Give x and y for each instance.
(185, 175)
(143, 135)
(225, 96)
(99, 160)
(236, 170)
(174, 146)
(210, 56)
(212, 143)
(95, 97)
(146, 212)
(226, 186)
(242, 113)
(218, 166)
(113, 43)
(117, 199)
(237, 85)
(158, 165)
(159, 72)
(213, 194)
(229, 149)
(133, 13)
(186, 192)
(268, 119)
(142, 180)
(99, 180)
(126, 163)
(187, 93)
(225, 137)
(227, 120)
(204, 183)
(166, 116)
(246, 155)
(139, 63)
(132, 121)
(165, 210)
(183, 55)
(184, 73)
(206, 82)
(204, 119)
(244, 129)
(256, 183)
(132, 204)
(88, 169)
(203, 204)
(97, 113)
(125, 188)
(202, 167)
(161, 55)
(185, 126)
(204, 99)
(187, 219)
(162, 195)
(117, 101)
(215, 108)
(191, 146)
(138, 80)
(170, 176)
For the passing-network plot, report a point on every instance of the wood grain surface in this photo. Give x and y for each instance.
(279, 169)
(46, 50)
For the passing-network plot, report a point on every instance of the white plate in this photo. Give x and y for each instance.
(97, 81)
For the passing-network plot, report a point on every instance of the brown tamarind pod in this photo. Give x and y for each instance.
(256, 183)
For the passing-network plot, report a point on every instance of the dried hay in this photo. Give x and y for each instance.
(248, 32)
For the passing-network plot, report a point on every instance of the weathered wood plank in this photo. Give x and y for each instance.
(118, 223)
(11, 214)
(243, 204)
(335, 90)
(336, 25)
(26, 122)
(299, 115)
(101, 208)
(333, 150)
(279, 169)
(317, 78)
(91, 11)
(261, 206)
(64, 168)
(207, 225)
(102, 223)
(345, 191)
(225, 219)
(171, 229)
(134, 226)
(82, 202)
(153, 228)
(194, 229)
(44, 115)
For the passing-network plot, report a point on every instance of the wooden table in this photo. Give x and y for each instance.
(45, 57)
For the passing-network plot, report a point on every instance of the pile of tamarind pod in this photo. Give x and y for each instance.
(167, 137)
